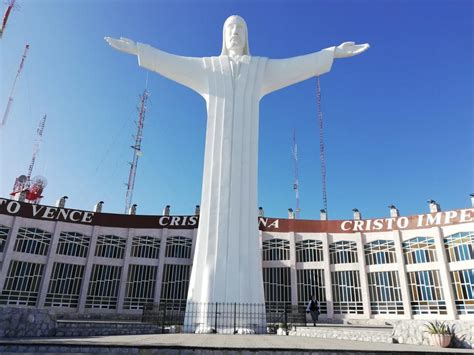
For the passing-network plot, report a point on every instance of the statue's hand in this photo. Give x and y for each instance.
(349, 49)
(123, 44)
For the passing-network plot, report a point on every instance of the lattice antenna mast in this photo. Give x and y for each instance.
(36, 145)
(10, 98)
(321, 146)
(136, 150)
(296, 186)
(6, 16)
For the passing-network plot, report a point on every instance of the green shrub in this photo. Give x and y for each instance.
(437, 327)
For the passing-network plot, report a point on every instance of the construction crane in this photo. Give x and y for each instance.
(26, 188)
(5, 16)
(321, 145)
(294, 151)
(136, 150)
(10, 98)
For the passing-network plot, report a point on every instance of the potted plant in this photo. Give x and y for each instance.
(440, 333)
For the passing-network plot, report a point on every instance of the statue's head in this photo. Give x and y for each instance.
(235, 36)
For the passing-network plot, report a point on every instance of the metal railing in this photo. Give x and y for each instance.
(222, 318)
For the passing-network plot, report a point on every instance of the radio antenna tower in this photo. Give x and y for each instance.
(321, 146)
(294, 151)
(136, 149)
(26, 188)
(36, 145)
(10, 98)
(6, 15)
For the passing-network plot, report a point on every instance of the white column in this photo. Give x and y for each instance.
(327, 277)
(8, 250)
(402, 274)
(364, 285)
(161, 265)
(444, 273)
(49, 264)
(193, 245)
(293, 276)
(124, 275)
(88, 270)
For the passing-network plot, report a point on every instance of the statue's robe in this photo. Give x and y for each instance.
(227, 264)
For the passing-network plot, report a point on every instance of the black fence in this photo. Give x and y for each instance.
(223, 318)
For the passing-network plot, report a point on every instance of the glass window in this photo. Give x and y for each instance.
(277, 288)
(140, 288)
(311, 282)
(64, 285)
(145, 247)
(103, 287)
(309, 250)
(380, 252)
(460, 246)
(110, 246)
(276, 249)
(419, 250)
(463, 284)
(73, 244)
(346, 292)
(32, 241)
(385, 293)
(22, 284)
(178, 247)
(343, 252)
(426, 292)
(174, 288)
(3, 237)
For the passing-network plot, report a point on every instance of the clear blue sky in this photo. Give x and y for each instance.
(398, 119)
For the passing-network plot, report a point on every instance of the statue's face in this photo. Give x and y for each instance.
(235, 36)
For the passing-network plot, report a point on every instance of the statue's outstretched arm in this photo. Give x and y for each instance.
(188, 71)
(280, 73)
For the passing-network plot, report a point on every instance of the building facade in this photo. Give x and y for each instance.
(81, 262)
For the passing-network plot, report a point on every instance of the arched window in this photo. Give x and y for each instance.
(343, 252)
(419, 250)
(145, 247)
(32, 241)
(73, 244)
(460, 246)
(3, 237)
(178, 247)
(276, 249)
(380, 252)
(110, 246)
(309, 250)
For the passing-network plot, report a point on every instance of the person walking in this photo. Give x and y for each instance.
(313, 309)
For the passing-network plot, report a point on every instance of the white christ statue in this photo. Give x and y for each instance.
(227, 265)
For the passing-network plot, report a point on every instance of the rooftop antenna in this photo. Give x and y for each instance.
(9, 9)
(26, 188)
(322, 157)
(136, 148)
(294, 151)
(10, 98)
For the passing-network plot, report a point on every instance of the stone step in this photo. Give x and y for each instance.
(374, 334)
(72, 328)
